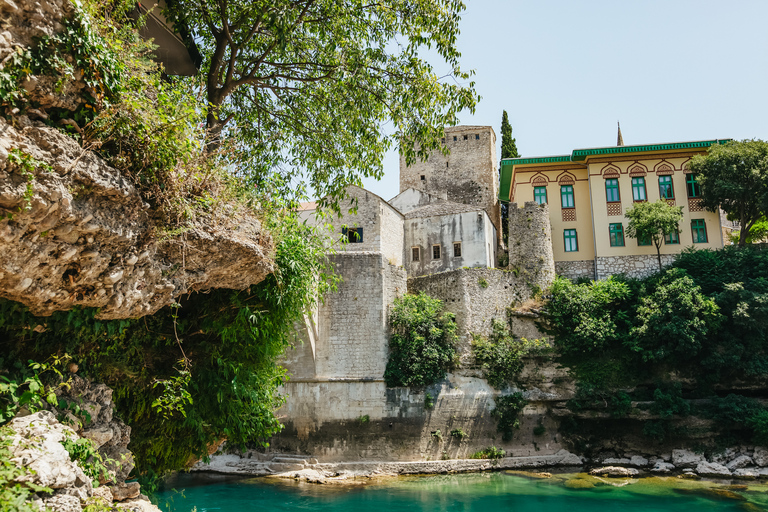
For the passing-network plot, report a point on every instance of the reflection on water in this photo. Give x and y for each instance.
(475, 492)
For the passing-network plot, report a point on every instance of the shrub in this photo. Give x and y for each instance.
(506, 411)
(423, 343)
(501, 354)
(668, 400)
(489, 453)
(458, 434)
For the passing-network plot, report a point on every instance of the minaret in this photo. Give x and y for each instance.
(619, 139)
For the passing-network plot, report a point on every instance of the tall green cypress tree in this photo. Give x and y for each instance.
(508, 150)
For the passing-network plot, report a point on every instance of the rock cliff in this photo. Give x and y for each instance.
(75, 232)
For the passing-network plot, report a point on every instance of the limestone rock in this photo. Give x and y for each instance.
(712, 469)
(662, 467)
(104, 493)
(100, 436)
(739, 462)
(747, 473)
(125, 491)
(615, 471)
(638, 461)
(617, 461)
(569, 459)
(63, 503)
(761, 456)
(686, 459)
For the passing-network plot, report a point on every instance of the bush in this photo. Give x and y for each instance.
(506, 411)
(501, 355)
(423, 344)
(587, 318)
(489, 453)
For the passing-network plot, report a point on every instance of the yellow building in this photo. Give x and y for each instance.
(588, 192)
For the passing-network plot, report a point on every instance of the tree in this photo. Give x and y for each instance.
(508, 150)
(653, 221)
(508, 145)
(305, 86)
(734, 177)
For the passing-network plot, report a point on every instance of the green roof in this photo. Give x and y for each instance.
(579, 155)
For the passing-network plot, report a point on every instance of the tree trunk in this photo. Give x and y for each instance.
(743, 233)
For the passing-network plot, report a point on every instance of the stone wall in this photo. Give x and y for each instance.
(468, 175)
(631, 266)
(392, 235)
(352, 334)
(472, 229)
(476, 296)
(530, 243)
(365, 420)
(575, 269)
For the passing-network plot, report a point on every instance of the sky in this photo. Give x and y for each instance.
(567, 71)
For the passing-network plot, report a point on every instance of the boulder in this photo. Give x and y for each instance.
(739, 462)
(662, 467)
(686, 458)
(63, 503)
(638, 461)
(569, 459)
(761, 456)
(615, 471)
(617, 461)
(712, 469)
(100, 435)
(747, 473)
(125, 491)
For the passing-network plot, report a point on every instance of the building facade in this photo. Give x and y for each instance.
(589, 191)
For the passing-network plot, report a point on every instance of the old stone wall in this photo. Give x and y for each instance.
(352, 331)
(476, 296)
(469, 174)
(365, 420)
(576, 269)
(411, 199)
(392, 235)
(638, 266)
(530, 244)
(472, 230)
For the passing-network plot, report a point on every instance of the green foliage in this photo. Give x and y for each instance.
(459, 434)
(23, 388)
(653, 221)
(27, 166)
(658, 430)
(429, 401)
(757, 233)
(229, 342)
(489, 453)
(423, 343)
(506, 411)
(539, 430)
(437, 435)
(84, 452)
(307, 86)
(734, 177)
(668, 401)
(14, 493)
(482, 283)
(620, 405)
(501, 355)
(508, 144)
(587, 317)
(672, 319)
(364, 420)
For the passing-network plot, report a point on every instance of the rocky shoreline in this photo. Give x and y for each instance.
(743, 463)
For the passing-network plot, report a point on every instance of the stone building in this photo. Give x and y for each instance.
(468, 175)
(589, 191)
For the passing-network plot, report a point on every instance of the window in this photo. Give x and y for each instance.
(566, 196)
(423, 178)
(692, 184)
(454, 138)
(477, 136)
(699, 231)
(616, 232)
(666, 191)
(638, 189)
(571, 240)
(435, 252)
(415, 253)
(540, 194)
(466, 137)
(456, 249)
(672, 239)
(612, 190)
(353, 235)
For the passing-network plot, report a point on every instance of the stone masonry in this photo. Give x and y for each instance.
(530, 243)
(639, 266)
(576, 269)
(468, 175)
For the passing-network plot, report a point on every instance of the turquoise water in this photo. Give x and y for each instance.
(480, 492)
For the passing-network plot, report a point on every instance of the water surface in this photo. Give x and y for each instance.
(476, 492)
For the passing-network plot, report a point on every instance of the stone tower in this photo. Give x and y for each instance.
(530, 244)
(468, 175)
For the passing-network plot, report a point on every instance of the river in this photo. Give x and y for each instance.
(475, 492)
